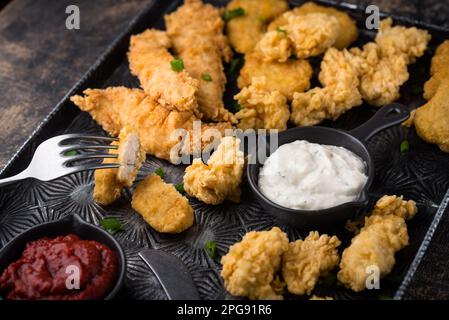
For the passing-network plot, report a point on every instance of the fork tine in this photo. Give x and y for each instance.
(85, 137)
(82, 147)
(93, 167)
(90, 157)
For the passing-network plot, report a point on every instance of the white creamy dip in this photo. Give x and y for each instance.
(310, 176)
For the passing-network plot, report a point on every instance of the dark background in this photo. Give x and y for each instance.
(40, 60)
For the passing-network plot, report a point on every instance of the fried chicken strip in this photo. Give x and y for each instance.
(384, 233)
(196, 30)
(150, 60)
(287, 78)
(307, 260)
(250, 266)
(113, 108)
(439, 70)
(340, 79)
(262, 109)
(347, 31)
(110, 182)
(245, 31)
(220, 178)
(162, 206)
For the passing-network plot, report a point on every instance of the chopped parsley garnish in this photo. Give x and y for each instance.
(237, 107)
(231, 14)
(211, 248)
(280, 30)
(112, 225)
(180, 187)
(206, 77)
(71, 153)
(160, 172)
(235, 64)
(405, 146)
(177, 65)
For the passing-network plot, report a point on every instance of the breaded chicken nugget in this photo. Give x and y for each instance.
(245, 31)
(220, 178)
(307, 260)
(287, 78)
(347, 27)
(340, 78)
(110, 182)
(384, 233)
(250, 266)
(275, 46)
(114, 108)
(150, 61)
(262, 109)
(161, 206)
(439, 70)
(196, 30)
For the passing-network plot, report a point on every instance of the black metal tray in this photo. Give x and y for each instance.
(421, 174)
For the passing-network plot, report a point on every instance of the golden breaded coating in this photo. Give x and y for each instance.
(347, 27)
(432, 119)
(130, 156)
(196, 30)
(399, 40)
(162, 206)
(384, 233)
(107, 187)
(245, 31)
(311, 34)
(340, 79)
(113, 108)
(274, 46)
(110, 182)
(307, 260)
(287, 78)
(250, 266)
(220, 178)
(150, 60)
(262, 109)
(439, 70)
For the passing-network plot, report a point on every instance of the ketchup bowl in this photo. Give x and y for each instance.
(69, 225)
(354, 141)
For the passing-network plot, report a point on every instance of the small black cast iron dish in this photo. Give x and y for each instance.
(71, 224)
(354, 141)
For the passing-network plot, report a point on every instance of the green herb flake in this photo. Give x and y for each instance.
(206, 77)
(280, 30)
(237, 107)
(160, 172)
(231, 14)
(112, 225)
(177, 65)
(211, 248)
(70, 153)
(405, 146)
(385, 297)
(180, 187)
(417, 90)
(235, 65)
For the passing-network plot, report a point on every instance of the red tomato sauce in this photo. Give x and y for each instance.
(46, 264)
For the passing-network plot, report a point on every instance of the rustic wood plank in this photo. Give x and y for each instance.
(40, 60)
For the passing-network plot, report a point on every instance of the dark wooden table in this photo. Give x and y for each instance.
(40, 60)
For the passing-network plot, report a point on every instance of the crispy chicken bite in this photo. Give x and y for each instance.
(150, 61)
(287, 78)
(340, 79)
(196, 30)
(110, 182)
(250, 266)
(384, 233)
(347, 31)
(275, 46)
(245, 31)
(307, 260)
(220, 178)
(161, 206)
(262, 109)
(439, 70)
(113, 108)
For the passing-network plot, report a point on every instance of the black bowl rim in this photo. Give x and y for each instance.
(77, 219)
(362, 199)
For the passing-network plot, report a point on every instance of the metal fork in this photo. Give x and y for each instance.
(51, 161)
